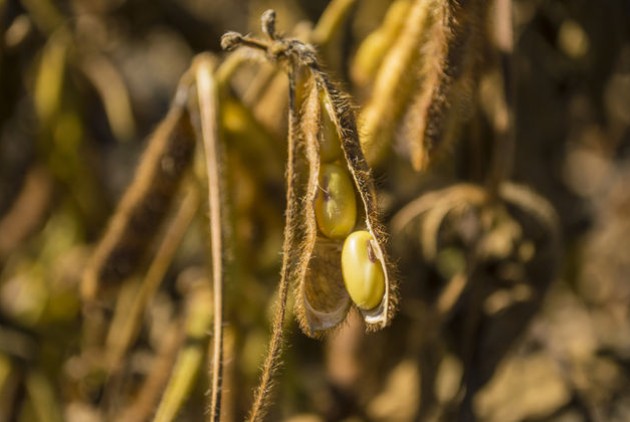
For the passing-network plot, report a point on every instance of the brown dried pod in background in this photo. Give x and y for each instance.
(146, 201)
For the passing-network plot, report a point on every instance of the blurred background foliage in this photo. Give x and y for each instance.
(84, 82)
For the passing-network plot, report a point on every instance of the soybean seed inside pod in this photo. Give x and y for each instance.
(335, 204)
(362, 270)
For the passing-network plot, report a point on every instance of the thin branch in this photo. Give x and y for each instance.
(207, 99)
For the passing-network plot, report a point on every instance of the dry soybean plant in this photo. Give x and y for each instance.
(366, 179)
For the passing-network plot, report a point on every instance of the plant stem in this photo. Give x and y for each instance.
(207, 98)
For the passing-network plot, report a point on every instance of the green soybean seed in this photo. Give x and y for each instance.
(362, 270)
(329, 142)
(335, 203)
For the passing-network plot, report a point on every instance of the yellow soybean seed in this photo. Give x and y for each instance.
(329, 142)
(335, 204)
(362, 270)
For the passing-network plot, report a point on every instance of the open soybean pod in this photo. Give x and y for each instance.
(307, 257)
(379, 316)
(326, 293)
(322, 301)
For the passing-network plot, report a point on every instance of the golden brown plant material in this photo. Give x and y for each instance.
(294, 253)
(296, 53)
(446, 79)
(344, 119)
(467, 218)
(208, 135)
(295, 248)
(149, 392)
(27, 211)
(199, 314)
(300, 234)
(127, 319)
(374, 47)
(146, 202)
(395, 83)
(429, 101)
(320, 302)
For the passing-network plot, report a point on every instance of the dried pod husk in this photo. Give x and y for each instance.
(323, 301)
(395, 82)
(434, 78)
(374, 47)
(300, 235)
(344, 119)
(146, 201)
(300, 232)
(447, 76)
(300, 226)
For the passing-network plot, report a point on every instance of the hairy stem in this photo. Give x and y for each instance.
(289, 264)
